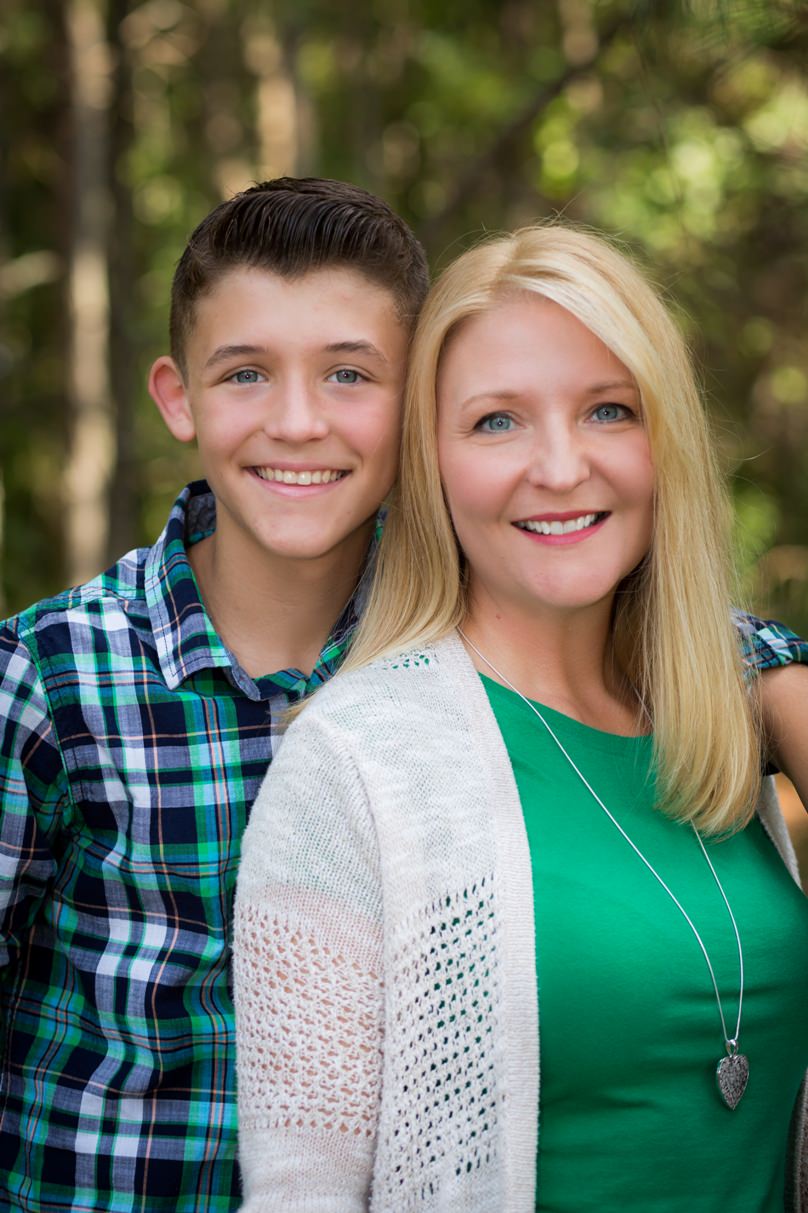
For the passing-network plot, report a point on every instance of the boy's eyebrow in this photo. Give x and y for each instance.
(223, 352)
(356, 347)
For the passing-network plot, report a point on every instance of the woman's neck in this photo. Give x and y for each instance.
(560, 658)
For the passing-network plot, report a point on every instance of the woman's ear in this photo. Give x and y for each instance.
(168, 391)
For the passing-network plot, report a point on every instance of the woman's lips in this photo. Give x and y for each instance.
(563, 528)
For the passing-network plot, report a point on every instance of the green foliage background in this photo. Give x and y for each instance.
(680, 128)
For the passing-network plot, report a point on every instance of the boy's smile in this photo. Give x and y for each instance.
(293, 393)
(297, 478)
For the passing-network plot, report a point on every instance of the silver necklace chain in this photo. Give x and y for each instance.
(731, 1042)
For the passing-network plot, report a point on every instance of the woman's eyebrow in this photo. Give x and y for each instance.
(611, 384)
(490, 394)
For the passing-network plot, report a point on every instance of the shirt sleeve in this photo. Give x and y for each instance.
(308, 983)
(33, 790)
(767, 644)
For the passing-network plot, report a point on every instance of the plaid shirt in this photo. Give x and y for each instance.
(132, 748)
(133, 745)
(767, 644)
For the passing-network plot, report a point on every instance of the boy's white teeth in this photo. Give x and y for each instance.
(557, 527)
(284, 476)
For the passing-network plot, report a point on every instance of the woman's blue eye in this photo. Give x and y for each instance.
(495, 423)
(246, 376)
(346, 375)
(611, 412)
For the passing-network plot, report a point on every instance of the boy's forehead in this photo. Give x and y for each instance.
(324, 305)
(339, 282)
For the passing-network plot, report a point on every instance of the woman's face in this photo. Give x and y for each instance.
(544, 458)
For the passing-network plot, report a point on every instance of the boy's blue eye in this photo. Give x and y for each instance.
(611, 412)
(246, 376)
(495, 423)
(346, 375)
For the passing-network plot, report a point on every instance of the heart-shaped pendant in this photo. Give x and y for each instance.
(732, 1075)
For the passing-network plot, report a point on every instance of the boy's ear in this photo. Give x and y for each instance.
(167, 390)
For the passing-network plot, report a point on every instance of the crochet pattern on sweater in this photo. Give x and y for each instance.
(443, 1007)
(297, 1077)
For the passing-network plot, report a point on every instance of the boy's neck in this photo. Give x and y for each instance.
(276, 614)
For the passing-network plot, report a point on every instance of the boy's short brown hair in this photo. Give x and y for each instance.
(289, 226)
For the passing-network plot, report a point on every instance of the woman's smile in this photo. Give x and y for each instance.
(561, 529)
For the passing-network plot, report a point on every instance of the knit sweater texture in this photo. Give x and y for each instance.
(387, 1018)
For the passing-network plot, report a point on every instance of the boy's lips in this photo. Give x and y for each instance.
(305, 476)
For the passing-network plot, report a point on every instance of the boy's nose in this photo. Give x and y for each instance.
(295, 415)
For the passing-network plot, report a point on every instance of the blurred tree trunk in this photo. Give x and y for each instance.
(124, 488)
(4, 104)
(92, 442)
(283, 120)
(225, 136)
(2, 545)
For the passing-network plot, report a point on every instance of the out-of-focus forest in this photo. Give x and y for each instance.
(681, 127)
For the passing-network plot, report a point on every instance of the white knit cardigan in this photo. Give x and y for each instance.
(385, 967)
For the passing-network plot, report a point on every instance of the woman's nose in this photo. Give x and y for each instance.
(559, 459)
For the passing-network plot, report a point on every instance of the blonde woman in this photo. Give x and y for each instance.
(535, 786)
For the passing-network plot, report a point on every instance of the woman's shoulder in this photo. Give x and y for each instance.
(398, 672)
(397, 678)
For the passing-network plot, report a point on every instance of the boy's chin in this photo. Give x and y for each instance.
(309, 547)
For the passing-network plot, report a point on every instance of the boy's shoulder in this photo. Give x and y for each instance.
(123, 582)
(58, 626)
(119, 597)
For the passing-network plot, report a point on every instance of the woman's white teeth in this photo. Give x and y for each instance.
(283, 476)
(556, 527)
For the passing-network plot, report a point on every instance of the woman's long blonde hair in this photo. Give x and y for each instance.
(672, 631)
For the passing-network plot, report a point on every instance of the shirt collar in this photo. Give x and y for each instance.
(184, 635)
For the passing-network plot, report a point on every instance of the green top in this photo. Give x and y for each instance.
(630, 1115)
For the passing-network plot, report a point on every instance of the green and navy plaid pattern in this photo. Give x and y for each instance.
(132, 748)
(767, 644)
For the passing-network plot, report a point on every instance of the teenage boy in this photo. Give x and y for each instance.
(139, 712)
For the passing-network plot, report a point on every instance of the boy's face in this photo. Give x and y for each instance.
(293, 392)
